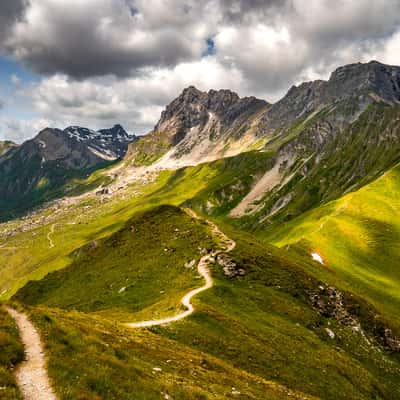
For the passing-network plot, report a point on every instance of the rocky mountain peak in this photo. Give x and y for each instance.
(358, 85)
(193, 107)
(379, 79)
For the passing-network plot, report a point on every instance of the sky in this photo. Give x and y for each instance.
(96, 63)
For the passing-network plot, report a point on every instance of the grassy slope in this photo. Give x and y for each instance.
(11, 354)
(139, 270)
(251, 324)
(359, 238)
(252, 330)
(263, 323)
(91, 358)
(27, 254)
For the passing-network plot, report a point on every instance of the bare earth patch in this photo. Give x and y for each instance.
(270, 179)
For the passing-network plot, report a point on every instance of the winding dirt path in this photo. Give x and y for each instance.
(51, 244)
(31, 375)
(203, 270)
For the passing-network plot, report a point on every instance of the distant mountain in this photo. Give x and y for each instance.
(200, 126)
(37, 169)
(109, 144)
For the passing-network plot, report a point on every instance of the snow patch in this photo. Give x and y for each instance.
(107, 157)
(317, 257)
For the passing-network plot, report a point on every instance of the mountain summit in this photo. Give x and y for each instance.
(199, 126)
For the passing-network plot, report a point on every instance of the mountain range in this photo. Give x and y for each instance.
(290, 211)
(36, 170)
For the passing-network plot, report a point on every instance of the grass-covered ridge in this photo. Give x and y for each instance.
(139, 269)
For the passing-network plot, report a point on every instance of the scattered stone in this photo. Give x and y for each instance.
(330, 333)
(392, 342)
(122, 289)
(103, 191)
(157, 369)
(190, 264)
(235, 392)
(229, 266)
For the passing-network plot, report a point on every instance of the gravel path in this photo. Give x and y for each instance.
(203, 270)
(31, 375)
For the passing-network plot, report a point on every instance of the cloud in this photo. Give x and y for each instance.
(276, 44)
(15, 80)
(273, 42)
(108, 61)
(19, 130)
(390, 52)
(134, 102)
(99, 37)
(10, 12)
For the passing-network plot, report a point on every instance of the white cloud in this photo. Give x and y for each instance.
(390, 52)
(134, 102)
(15, 80)
(109, 61)
(19, 130)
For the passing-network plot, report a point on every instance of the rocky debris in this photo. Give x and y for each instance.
(391, 341)
(104, 191)
(204, 252)
(330, 333)
(235, 392)
(231, 269)
(122, 289)
(330, 302)
(190, 264)
(197, 125)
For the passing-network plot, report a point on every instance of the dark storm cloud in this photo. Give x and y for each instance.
(84, 39)
(236, 11)
(10, 12)
(100, 37)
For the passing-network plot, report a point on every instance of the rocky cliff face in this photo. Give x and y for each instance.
(199, 126)
(352, 87)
